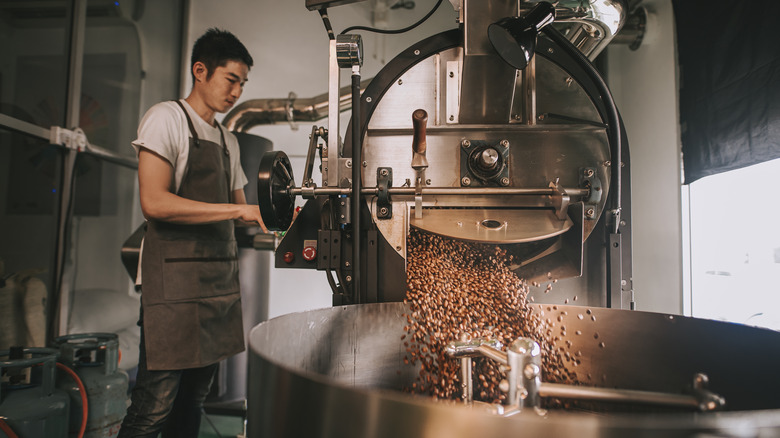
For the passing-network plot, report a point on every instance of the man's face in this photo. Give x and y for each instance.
(224, 87)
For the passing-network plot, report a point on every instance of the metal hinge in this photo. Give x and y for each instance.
(72, 139)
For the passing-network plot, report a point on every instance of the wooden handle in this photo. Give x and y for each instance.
(419, 122)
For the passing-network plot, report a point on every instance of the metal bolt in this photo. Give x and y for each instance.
(365, 164)
(416, 52)
(465, 143)
(589, 172)
(608, 163)
(398, 248)
(504, 181)
(466, 181)
(505, 143)
(452, 74)
(368, 99)
(346, 264)
(349, 278)
(452, 118)
(384, 172)
(383, 211)
(400, 82)
(569, 81)
(550, 50)
(428, 182)
(590, 212)
(531, 371)
(349, 164)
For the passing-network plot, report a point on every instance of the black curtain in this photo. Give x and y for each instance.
(729, 57)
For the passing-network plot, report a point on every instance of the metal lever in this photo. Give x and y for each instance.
(419, 142)
(419, 160)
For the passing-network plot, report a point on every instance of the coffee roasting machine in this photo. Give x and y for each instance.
(462, 139)
(501, 132)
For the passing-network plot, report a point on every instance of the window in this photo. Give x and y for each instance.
(735, 246)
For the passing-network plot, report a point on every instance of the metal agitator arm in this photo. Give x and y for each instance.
(524, 387)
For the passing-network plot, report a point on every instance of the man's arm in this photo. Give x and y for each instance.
(155, 177)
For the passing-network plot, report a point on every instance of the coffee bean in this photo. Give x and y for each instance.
(460, 290)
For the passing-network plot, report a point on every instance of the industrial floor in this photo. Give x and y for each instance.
(221, 426)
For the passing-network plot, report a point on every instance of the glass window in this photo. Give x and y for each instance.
(34, 60)
(735, 246)
(29, 198)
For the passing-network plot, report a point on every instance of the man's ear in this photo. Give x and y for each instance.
(200, 71)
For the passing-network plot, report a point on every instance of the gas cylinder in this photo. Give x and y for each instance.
(30, 403)
(95, 359)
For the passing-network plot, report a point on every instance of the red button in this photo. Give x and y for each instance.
(309, 253)
(289, 257)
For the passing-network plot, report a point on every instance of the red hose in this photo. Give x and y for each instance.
(7, 429)
(83, 390)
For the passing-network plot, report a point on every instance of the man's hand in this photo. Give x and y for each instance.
(249, 214)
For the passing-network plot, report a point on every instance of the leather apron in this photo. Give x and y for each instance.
(191, 301)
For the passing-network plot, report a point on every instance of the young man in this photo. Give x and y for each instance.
(191, 189)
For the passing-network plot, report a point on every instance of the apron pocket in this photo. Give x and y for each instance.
(201, 269)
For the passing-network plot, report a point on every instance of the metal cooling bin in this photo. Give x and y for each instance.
(339, 372)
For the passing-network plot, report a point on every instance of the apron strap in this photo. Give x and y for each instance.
(197, 142)
(189, 122)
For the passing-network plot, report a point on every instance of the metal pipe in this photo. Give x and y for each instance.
(466, 383)
(254, 112)
(357, 166)
(410, 191)
(58, 303)
(617, 395)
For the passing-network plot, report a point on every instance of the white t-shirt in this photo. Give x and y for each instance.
(164, 131)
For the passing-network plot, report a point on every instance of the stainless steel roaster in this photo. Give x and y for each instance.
(500, 131)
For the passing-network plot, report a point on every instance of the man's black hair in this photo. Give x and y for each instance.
(215, 48)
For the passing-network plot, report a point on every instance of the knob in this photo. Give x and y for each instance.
(489, 158)
(288, 257)
(309, 253)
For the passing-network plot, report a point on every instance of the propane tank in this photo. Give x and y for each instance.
(95, 359)
(30, 403)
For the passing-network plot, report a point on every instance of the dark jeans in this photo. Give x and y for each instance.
(170, 402)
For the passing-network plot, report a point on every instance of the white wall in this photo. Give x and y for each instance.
(643, 83)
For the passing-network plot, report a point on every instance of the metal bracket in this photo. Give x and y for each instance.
(560, 200)
(75, 139)
(384, 180)
(329, 249)
(589, 180)
(343, 211)
(453, 92)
